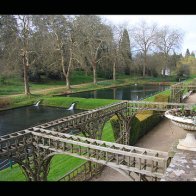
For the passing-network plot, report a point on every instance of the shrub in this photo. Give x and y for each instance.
(141, 124)
(115, 126)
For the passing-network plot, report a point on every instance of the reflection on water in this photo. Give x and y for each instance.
(131, 92)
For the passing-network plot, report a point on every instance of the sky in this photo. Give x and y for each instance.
(186, 23)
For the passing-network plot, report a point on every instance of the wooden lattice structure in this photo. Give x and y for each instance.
(34, 148)
(178, 89)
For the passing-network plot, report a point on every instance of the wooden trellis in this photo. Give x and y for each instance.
(33, 148)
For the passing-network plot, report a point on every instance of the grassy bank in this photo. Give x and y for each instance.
(151, 98)
(168, 91)
(80, 82)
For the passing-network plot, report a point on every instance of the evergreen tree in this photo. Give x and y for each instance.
(187, 53)
(125, 50)
(193, 54)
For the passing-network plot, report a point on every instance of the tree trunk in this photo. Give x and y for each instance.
(164, 72)
(144, 66)
(63, 68)
(94, 74)
(66, 74)
(114, 71)
(67, 81)
(26, 78)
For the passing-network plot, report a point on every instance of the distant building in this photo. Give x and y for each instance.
(167, 72)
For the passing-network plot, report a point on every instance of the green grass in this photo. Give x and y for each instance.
(83, 103)
(14, 85)
(168, 91)
(151, 98)
(79, 77)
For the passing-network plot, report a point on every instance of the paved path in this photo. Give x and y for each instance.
(160, 138)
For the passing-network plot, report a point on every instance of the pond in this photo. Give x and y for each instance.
(130, 92)
(25, 117)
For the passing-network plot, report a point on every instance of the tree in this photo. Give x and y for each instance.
(43, 47)
(62, 29)
(167, 41)
(125, 50)
(8, 45)
(193, 54)
(144, 36)
(94, 37)
(187, 54)
(25, 30)
(115, 55)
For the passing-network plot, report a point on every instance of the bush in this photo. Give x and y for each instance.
(115, 127)
(141, 123)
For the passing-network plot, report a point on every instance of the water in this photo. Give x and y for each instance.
(131, 92)
(25, 117)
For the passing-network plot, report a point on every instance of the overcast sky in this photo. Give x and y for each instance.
(187, 23)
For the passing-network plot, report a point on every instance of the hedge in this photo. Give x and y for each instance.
(141, 123)
(161, 98)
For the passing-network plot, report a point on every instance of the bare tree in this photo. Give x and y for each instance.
(94, 36)
(144, 36)
(62, 32)
(115, 54)
(167, 41)
(24, 24)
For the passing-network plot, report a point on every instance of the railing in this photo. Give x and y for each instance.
(129, 158)
(158, 106)
(86, 170)
(83, 172)
(5, 164)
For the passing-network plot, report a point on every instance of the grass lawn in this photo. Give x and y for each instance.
(14, 85)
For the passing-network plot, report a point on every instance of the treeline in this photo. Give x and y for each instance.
(54, 45)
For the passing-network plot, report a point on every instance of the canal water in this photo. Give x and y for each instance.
(25, 117)
(130, 92)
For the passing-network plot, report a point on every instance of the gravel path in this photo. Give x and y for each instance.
(160, 138)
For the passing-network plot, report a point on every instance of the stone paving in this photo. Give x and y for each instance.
(182, 167)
